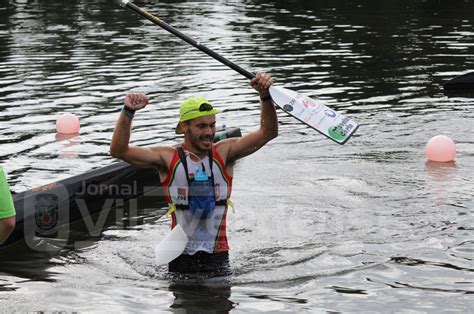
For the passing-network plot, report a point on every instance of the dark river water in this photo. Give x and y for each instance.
(369, 226)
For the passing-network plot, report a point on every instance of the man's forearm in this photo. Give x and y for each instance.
(121, 136)
(269, 120)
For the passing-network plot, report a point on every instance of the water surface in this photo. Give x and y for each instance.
(364, 227)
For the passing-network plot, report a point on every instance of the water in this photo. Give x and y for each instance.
(364, 227)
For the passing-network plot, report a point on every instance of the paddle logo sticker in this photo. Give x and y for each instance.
(288, 108)
(337, 133)
(308, 102)
(312, 105)
(330, 113)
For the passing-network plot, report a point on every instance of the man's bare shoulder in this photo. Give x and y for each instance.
(163, 149)
(165, 153)
(223, 147)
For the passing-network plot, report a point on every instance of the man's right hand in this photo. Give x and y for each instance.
(136, 101)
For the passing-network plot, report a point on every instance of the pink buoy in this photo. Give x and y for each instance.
(68, 123)
(440, 148)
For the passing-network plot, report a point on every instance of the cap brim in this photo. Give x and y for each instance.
(178, 129)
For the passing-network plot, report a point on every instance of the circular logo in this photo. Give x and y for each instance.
(46, 212)
(288, 108)
(329, 113)
(337, 133)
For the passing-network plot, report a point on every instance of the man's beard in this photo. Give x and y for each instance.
(196, 142)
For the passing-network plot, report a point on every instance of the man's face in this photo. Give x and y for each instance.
(200, 132)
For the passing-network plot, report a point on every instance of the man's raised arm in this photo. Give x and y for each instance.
(120, 148)
(250, 143)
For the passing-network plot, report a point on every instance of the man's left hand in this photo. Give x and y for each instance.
(261, 83)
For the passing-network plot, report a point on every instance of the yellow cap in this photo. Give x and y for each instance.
(193, 108)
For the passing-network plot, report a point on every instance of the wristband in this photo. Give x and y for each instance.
(266, 98)
(128, 112)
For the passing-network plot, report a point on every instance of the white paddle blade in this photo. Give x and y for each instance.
(171, 246)
(315, 114)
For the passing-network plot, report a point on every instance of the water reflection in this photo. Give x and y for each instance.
(440, 171)
(20, 264)
(368, 206)
(206, 296)
(67, 141)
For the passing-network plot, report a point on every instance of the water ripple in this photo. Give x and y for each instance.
(318, 226)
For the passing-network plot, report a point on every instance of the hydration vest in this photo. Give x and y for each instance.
(201, 189)
(205, 232)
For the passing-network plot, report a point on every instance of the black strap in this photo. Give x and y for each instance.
(211, 162)
(182, 157)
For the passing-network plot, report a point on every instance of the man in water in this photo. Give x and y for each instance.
(7, 210)
(197, 176)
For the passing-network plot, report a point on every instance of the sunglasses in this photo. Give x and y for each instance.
(205, 107)
(202, 108)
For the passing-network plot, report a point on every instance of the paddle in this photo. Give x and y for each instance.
(172, 245)
(313, 113)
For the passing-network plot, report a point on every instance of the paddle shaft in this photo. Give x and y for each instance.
(187, 39)
(337, 127)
